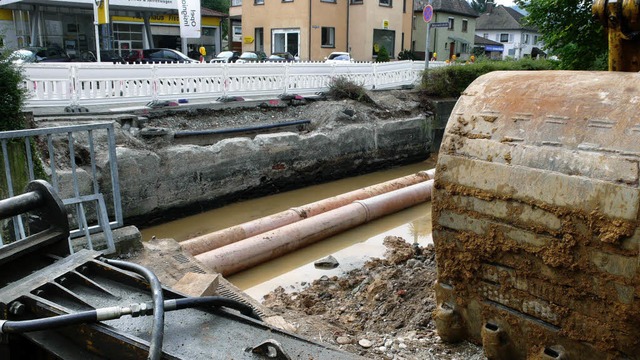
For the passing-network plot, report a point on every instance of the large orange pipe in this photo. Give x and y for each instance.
(214, 240)
(255, 250)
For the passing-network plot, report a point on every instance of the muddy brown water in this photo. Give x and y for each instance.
(292, 271)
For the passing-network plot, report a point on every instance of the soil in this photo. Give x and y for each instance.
(381, 311)
(324, 113)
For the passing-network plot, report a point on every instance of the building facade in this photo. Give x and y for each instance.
(456, 38)
(133, 25)
(312, 29)
(506, 26)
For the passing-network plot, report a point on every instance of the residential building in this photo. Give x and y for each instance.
(133, 25)
(313, 29)
(507, 26)
(489, 48)
(456, 38)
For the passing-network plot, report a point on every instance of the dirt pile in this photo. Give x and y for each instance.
(381, 311)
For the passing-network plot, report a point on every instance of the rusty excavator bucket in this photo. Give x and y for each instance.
(536, 208)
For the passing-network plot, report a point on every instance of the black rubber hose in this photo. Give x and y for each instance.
(157, 331)
(184, 303)
(50, 322)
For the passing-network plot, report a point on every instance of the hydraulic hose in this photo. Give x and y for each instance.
(157, 332)
(184, 303)
(115, 312)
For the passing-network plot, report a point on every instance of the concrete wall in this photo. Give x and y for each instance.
(190, 178)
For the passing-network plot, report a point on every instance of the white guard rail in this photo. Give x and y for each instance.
(63, 84)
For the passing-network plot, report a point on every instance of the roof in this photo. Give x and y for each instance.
(479, 40)
(502, 18)
(209, 12)
(459, 7)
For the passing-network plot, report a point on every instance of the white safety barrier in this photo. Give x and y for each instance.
(63, 84)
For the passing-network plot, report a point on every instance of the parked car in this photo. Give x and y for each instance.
(157, 55)
(252, 56)
(133, 56)
(282, 57)
(165, 56)
(226, 57)
(338, 57)
(39, 54)
(105, 56)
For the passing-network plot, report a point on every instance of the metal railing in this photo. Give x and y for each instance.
(63, 84)
(89, 211)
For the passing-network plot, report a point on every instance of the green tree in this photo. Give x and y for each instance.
(479, 5)
(219, 5)
(383, 55)
(569, 31)
(12, 96)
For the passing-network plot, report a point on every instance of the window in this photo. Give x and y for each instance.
(287, 0)
(258, 2)
(356, 2)
(451, 23)
(237, 33)
(465, 24)
(259, 39)
(285, 40)
(504, 38)
(236, 2)
(386, 39)
(328, 37)
(404, 6)
(464, 48)
(536, 39)
(329, 1)
(384, 2)
(485, 35)
(525, 38)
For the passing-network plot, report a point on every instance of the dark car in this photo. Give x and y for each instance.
(133, 56)
(39, 54)
(105, 56)
(282, 57)
(148, 56)
(226, 57)
(252, 56)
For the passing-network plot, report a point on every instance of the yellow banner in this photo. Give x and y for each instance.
(102, 11)
(6, 14)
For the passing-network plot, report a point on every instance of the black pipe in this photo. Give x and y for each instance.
(157, 331)
(179, 134)
(19, 204)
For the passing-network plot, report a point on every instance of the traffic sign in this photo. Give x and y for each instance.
(427, 13)
(440, 24)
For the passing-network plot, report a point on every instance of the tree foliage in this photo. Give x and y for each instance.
(479, 5)
(12, 96)
(219, 5)
(383, 55)
(569, 31)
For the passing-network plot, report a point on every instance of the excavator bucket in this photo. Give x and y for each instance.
(535, 216)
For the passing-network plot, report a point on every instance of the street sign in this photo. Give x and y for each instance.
(440, 24)
(427, 13)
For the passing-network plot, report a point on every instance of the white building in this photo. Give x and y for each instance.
(506, 26)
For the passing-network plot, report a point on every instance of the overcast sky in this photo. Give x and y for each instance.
(504, 2)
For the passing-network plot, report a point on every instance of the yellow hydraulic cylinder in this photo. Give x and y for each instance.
(621, 18)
